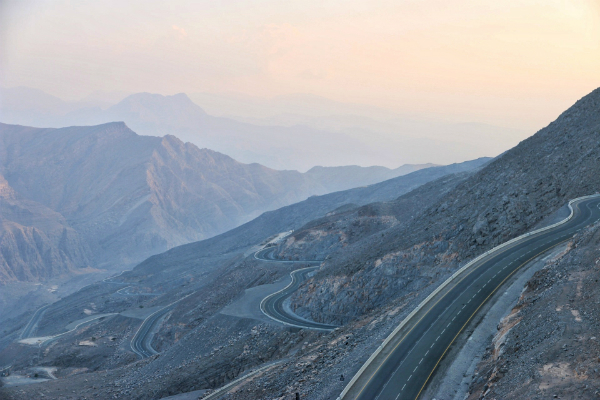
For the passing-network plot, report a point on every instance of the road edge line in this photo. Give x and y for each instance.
(443, 285)
(281, 290)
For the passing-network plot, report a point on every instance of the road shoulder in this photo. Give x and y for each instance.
(456, 371)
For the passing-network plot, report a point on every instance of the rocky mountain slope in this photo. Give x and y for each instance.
(506, 198)
(391, 257)
(129, 196)
(348, 225)
(213, 273)
(547, 347)
(296, 215)
(124, 197)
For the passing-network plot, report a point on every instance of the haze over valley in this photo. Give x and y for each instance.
(326, 133)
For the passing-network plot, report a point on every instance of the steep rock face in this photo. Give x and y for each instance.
(506, 198)
(131, 196)
(35, 242)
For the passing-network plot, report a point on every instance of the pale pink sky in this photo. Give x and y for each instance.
(510, 63)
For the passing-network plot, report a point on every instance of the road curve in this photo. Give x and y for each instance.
(273, 305)
(35, 318)
(403, 365)
(141, 343)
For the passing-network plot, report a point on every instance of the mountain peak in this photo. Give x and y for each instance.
(177, 109)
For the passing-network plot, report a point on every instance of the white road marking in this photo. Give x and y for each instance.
(512, 262)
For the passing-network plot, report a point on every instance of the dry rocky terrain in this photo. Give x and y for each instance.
(547, 347)
(191, 337)
(506, 198)
(382, 260)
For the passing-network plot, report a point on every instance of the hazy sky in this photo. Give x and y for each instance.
(511, 63)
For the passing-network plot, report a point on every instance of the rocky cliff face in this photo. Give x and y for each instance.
(36, 242)
(503, 200)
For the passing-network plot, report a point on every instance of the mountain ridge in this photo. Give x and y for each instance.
(120, 189)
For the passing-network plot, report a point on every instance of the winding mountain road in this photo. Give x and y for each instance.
(403, 365)
(273, 306)
(141, 343)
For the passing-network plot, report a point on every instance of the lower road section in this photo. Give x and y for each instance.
(273, 306)
(403, 366)
(141, 343)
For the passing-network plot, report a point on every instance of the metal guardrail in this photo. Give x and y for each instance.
(446, 283)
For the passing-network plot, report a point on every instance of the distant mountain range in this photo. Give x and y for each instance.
(103, 196)
(303, 132)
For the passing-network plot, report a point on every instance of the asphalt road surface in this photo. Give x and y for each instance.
(35, 318)
(273, 305)
(405, 370)
(141, 343)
